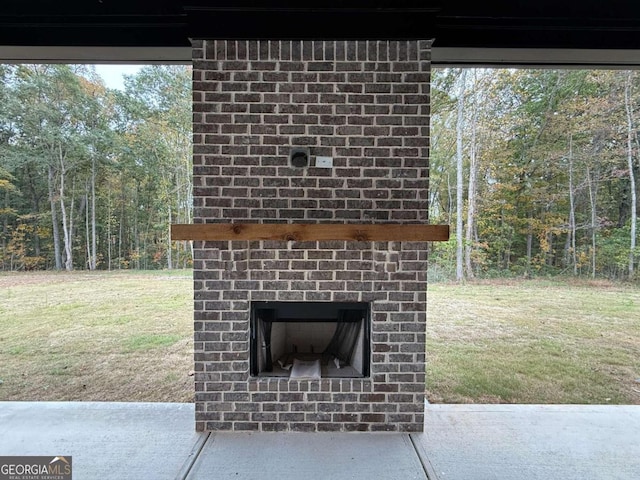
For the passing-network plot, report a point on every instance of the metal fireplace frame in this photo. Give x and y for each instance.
(299, 312)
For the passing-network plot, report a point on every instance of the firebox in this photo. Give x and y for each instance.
(310, 340)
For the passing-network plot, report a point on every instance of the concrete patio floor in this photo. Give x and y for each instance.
(461, 442)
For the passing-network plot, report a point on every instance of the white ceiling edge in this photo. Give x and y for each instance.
(98, 55)
(440, 57)
(535, 57)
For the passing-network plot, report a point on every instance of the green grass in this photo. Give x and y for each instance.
(127, 336)
(534, 342)
(149, 342)
(96, 336)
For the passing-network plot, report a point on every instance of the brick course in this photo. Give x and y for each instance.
(366, 104)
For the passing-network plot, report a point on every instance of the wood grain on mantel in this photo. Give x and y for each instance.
(305, 232)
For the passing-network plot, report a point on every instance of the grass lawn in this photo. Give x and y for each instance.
(127, 336)
(534, 342)
(118, 336)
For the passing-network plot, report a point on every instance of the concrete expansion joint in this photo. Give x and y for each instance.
(183, 473)
(429, 471)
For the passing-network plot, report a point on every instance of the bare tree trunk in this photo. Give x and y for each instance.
(5, 223)
(189, 208)
(449, 198)
(5, 228)
(178, 196)
(632, 180)
(86, 227)
(54, 219)
(572, 211)
(93, 263)
(529, 251)
(566, 256)
(109, 233)
(593, 197)
(459, 177)
(136, 234)
(121, 229)
(120, 233)
(66, 230)
(67, 221)
(169, 255)
(82, 205)
(472, 189)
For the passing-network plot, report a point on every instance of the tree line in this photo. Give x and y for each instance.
(90, 177)
(538, 170)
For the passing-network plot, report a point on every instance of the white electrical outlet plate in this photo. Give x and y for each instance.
(324, 162)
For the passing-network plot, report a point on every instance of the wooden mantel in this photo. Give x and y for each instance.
(304, 232)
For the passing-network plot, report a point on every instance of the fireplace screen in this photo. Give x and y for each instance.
(310, 340)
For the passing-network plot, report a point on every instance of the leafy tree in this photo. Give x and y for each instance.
(545, 161)
(89, 177)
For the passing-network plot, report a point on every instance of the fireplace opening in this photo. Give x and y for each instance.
(310, 340)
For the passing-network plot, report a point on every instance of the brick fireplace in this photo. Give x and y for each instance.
(359, 111)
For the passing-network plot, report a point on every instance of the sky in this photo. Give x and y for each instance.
(113, 74)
